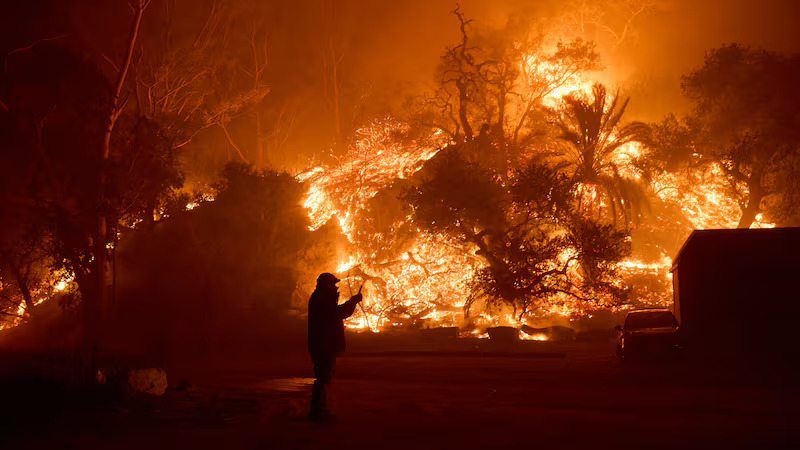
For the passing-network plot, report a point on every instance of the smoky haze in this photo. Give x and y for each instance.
(387, 51)
(390, 50)
(399, 43)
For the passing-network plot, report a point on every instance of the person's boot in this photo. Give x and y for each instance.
(315, 407)
(319, 408)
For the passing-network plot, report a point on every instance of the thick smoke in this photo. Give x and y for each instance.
(400, 42)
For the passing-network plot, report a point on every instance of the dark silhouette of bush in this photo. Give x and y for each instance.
(217, 278)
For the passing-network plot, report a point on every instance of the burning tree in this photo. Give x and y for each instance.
(745, 107)
(534, 247)
(487, 217)
(522, 173)
(361, 197)
(25, 260)
(594, 138)
(497, 95)
(741, 135)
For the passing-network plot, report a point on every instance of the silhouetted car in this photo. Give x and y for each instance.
(503, 334)
(649, 333)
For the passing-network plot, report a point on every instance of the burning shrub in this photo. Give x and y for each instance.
(533, 247)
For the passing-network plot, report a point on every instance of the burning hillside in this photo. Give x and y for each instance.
(436, 275)
(514, 187)
(210, 201)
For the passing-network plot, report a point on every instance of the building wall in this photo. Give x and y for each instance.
(738, 303)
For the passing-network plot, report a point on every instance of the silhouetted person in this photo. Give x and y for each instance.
(326, 336)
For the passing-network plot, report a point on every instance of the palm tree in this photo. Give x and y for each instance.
(594, 139)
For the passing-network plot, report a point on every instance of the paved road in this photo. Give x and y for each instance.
(583, 399)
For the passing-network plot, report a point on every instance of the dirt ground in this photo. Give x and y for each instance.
(538, 395)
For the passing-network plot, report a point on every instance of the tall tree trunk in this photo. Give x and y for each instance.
(755, 195)
(258, 68)
(232, 144)
(94, 305)
(259, 142)
(750, 211)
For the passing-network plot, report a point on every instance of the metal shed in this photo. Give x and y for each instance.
(739, 289)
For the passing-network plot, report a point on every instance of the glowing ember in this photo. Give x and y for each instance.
(58, 281)
(706, 202)
(534, 337)
(376, 159)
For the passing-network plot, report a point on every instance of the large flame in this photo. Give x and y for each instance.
(58, 281)
(376, 159)
(427, 284)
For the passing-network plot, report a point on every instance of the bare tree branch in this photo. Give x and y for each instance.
(34, 43)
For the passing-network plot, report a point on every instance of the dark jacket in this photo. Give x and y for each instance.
(325, 322)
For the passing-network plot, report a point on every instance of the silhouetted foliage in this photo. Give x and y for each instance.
(745, 121)
(51, 138)
(453, 188)
(25, 258)
(491, 91)
(593, 135)
(384, 224)
(534, 246)
(56, 114)
(206, 278)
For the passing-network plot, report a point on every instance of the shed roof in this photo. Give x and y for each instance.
(730, 242)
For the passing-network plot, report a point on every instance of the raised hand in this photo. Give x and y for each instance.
(358, 297)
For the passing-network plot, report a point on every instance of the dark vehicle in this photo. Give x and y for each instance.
(649, 333)
(503, 334)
